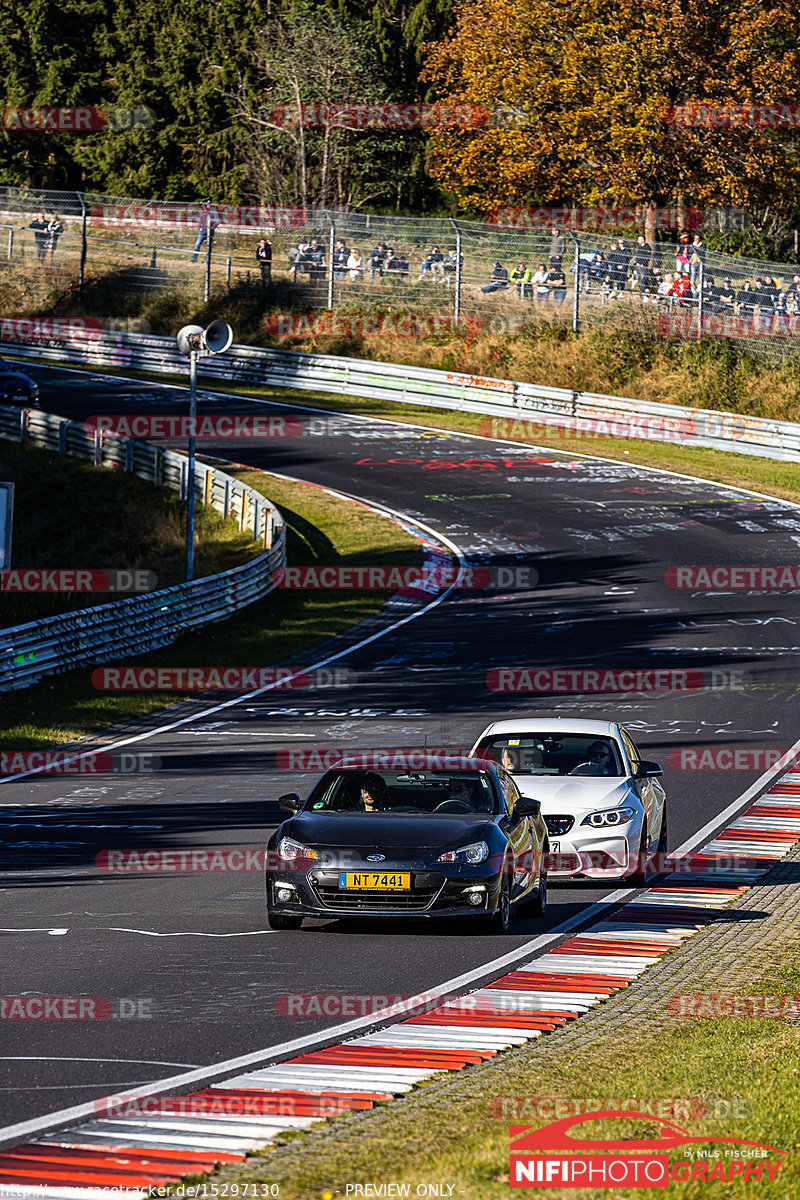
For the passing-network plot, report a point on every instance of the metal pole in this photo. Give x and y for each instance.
(209, 241)
(331, 244)
(457, 299)
(10, 242)
(577, 271)
(83, 242)
(190, 466)
(700, 304)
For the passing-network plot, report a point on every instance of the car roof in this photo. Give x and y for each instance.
(554, 724)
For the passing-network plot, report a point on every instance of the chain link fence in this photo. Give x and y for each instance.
(440, 275)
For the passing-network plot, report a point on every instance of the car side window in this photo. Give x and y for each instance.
(633, 753)
(510, 791)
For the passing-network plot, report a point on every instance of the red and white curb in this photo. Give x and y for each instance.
(193, 1132)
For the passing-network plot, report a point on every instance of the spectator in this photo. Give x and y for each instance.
(710, 295)
(207, 221)
(55, 228)
(557, 285)
(539, 284)
(377, 261)
(451, 263)
(497, 280)
(793, 295)
(727, 297)
(618, 259)
(641, 264)
(697, 260)
(521, 276)
(434, 258)
(665, 285)
(682, 252)
(316, 261)
(395, 262)
(558, 246)
(340, 257)
(745, 300)
(598, 270)
(39, 227)
(681, 289)
(264, 260)
(355, 265)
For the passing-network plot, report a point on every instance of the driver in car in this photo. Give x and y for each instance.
(461, 792)
(373, 794)
(600, 761)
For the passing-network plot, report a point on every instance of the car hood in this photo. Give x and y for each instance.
(382, 832)
(565, 793)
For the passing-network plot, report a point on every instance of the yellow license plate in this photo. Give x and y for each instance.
(376, 881)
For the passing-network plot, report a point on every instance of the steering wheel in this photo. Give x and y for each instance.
(454, 806)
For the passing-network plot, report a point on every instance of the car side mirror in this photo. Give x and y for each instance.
(648, 770)
(290, 802)
(527, 807)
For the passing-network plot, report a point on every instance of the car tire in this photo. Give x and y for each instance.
(661, 848)
(279, 921)
(499, 922)
(638, 878)
(537, 906)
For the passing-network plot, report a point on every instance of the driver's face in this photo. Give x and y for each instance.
(369, 800)
(600, 756)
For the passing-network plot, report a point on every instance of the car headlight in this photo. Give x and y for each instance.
(476, 852)
(289, 850)
(611, 816)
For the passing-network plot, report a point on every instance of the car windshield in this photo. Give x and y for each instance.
(419, 792)
(554, 754)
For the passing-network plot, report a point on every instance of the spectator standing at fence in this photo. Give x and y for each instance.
(39, 227)
(539, 288)
(521, 276)
(340, 256)
(207, 221)
(793, 295)
(618, 264)
(641, 263)
(264, 260)
(355, 266)
(697, 260)
(497, 280)
(726, 297)
(557, 285)
(558, 247)
(682, 252)
(376, 261)
(316, 261)
(55, 228)
(745, 300)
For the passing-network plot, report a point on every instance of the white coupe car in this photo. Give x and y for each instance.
(603, 804)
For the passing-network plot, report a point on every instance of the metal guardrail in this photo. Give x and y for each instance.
(507, 399)
(145, 622)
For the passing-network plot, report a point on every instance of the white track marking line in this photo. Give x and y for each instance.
(381, 509)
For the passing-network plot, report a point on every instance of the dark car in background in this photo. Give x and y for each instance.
(425, 842)
(16, 387)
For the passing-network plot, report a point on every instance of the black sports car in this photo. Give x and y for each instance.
(16, 387)
(430, 842)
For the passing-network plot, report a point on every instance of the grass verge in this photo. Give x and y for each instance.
(321, 530)
(746, 1070)
(71, 514)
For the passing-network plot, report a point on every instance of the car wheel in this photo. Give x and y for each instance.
(638, 878)
(500, 921)
(537, 906)
(278, 921)
(661, 848)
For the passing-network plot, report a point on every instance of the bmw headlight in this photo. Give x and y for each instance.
(289, 850)
(476, 852)
(611, 816)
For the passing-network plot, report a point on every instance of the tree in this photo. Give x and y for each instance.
(302, 150)
(595, 82)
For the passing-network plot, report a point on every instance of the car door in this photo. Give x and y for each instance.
(519, 832)
(649, 790)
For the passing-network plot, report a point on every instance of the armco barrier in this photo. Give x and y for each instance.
(439, 389)
(138, 623)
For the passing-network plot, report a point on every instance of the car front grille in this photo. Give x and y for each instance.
(558, 825)
(424, 889)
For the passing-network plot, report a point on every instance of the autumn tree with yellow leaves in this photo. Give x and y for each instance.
(587, 92)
